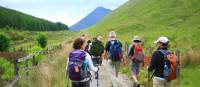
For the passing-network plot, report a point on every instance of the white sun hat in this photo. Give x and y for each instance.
(136, 38)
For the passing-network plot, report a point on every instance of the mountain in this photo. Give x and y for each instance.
(91, 19)
(19, 20)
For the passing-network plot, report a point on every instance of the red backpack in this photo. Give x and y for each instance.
(138, 53)
(173, 69)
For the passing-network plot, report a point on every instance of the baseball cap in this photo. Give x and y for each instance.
(162, 40)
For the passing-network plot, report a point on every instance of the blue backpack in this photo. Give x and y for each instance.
(115, 51)
(77, 67)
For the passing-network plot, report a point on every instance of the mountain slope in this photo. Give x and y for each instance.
(19, 20)
(91, 19)
(153, 18)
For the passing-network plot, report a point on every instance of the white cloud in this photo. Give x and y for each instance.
(62, 19)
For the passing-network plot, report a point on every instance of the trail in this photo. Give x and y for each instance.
(107, 78)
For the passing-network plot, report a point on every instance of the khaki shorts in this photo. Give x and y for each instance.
(160, 83)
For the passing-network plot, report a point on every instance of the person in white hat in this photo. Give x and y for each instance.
(114, 56)
(157, 63)
(136, 49)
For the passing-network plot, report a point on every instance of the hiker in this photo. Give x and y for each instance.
(114, 51)
(79, 65)
(88, 46)
(161, 65)
(136, 56)
(96, 51)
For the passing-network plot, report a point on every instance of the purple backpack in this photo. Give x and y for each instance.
(76, 70)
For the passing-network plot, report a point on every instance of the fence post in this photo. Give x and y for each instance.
(0, 73)
(16, 69)
(150, 51)
(34, 61)
(26, 69)
(60, 46)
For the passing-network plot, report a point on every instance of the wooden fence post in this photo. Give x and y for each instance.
(26, 69)
(34, 61)
(60, 46)
(16, 69)
(0, 73)
(150, 51)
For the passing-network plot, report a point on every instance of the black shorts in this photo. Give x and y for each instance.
(81, 84)
(97, 61)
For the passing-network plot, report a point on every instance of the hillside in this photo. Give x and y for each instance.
(18, 20)
(177, 19)
(91, 19)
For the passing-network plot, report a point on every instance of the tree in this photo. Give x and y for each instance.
(42, 40)
(4, 43)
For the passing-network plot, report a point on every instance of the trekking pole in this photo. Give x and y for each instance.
(97, 77)
(148, 83)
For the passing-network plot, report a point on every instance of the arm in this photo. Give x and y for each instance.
(90, 63)
(152, 65)
(107, 46)
(130, 51)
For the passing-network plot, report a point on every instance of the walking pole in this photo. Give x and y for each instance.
(148, 79)
(67, 73)
(98, 78)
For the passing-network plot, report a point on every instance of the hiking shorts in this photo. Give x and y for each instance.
(160, 83)
(81, 84)
(135, 68)
(97, 60)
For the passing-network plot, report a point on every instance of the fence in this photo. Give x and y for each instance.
(27, 67)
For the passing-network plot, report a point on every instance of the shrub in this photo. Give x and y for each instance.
(4, 43)
(42, 40)
(7, 71)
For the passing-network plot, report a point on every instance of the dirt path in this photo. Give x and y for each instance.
(107, 78)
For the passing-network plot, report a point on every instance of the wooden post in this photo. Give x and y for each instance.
(0, 73)
(150, 51)
(16, 69)
(34, 61)
(60, 46)
(26, 69)
(21, 49)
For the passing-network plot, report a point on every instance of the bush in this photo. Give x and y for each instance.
(42, 40)
(4, 43)
(7, 70)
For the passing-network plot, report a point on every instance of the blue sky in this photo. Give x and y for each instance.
(65, 11)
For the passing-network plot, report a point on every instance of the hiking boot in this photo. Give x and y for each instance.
(136, 84)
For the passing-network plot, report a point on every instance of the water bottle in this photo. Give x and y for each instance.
(166, 70)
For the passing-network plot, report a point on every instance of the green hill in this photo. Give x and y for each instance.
(19, 20)
(177, 19)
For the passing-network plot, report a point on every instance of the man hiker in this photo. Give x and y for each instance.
(136, 56)
(164, 69)
(96, 51)
(79, 65)
(114, 50)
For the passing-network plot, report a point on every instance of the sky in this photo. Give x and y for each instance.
(66, 11)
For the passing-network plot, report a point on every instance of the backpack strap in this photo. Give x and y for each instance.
(164, 52)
